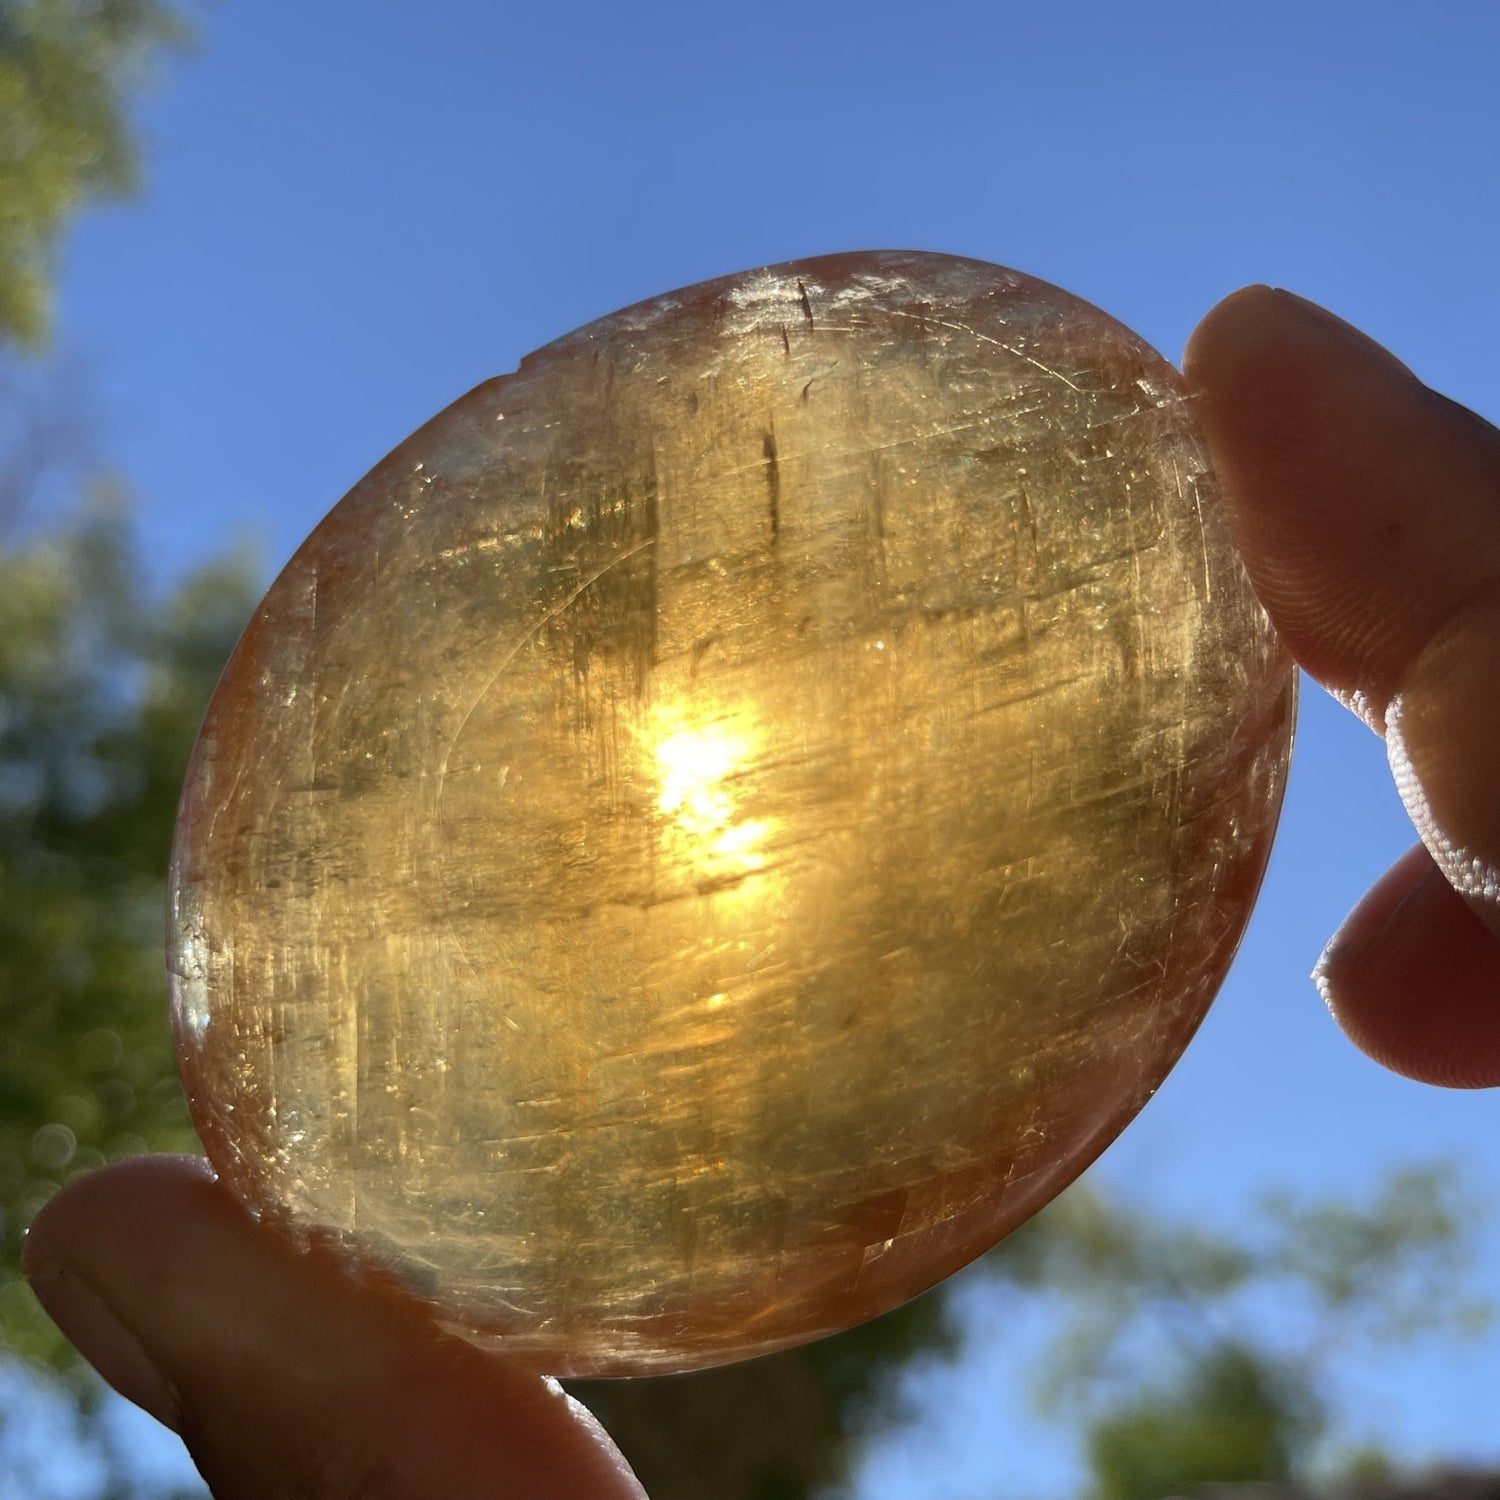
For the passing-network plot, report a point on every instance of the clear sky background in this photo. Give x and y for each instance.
(357, 209)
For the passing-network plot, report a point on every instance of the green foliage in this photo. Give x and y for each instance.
(100, 697)
(1395, 1266)
(1231, 1416)
(1241, 1336)
(67, 71)
(1365, 1469)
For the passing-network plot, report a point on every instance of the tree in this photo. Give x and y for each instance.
(1238, 1338)
(95, 702)
(68, 69)
(1228, 1417)
(101, 691)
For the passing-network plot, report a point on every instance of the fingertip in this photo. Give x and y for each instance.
(88, 1323)
(1218, 342)
(138, 1195)
(1362, 504)
(1259, 330)
(283, 1374)
(1413, 979)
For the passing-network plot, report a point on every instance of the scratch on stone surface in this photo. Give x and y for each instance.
(547, 618)
(773, 480)
(985, 338)
(1208, 583)
(1029, 517)
(226, 801)
(902, 442)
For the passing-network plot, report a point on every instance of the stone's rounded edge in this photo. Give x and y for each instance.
(218, 1135)
(844, 264)
(1287, 706)
(186, 1039)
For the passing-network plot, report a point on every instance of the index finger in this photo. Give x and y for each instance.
(1367, 508)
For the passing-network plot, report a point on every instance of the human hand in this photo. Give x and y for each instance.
(1368, 510)
(284, 1377)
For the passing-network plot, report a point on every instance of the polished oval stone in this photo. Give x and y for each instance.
(725, 822)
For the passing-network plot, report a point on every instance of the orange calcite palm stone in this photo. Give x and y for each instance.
(725, 822)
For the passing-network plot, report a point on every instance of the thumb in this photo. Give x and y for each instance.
(283, 1376)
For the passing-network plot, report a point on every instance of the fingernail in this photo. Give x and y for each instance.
(98, 1335)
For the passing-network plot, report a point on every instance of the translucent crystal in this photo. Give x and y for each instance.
(725, 822)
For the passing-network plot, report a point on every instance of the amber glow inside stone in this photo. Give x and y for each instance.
(728, 820)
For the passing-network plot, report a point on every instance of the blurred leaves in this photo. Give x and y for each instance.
(101, 691)
(1187, 1357)
(1230, 1417)
(1395, 1268)
(1309, 1280)
(68, 69)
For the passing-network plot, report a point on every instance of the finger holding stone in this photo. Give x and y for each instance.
(284, 1376)
(1367, 509)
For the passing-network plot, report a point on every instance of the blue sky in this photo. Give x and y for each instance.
(357, 210)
